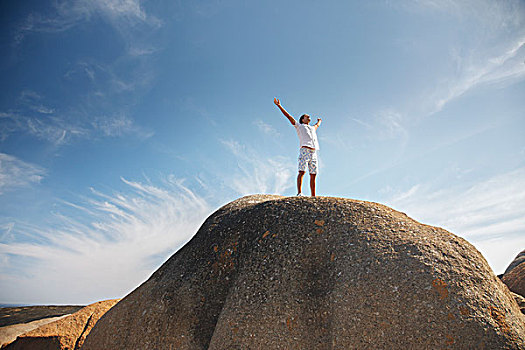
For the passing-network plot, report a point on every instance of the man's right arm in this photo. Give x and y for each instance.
(286, 114)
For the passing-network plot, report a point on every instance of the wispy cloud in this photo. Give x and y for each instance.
(506, 66)
(257, 173)
(390, 124)
(385, 128)
(501, 13)
(120, 125)
(68, 14)
(493, 51)
(104, 81)
(189, 104)
(58, 128)
(266, 128)
(485, 211)
(385, 124)
(122, 239)
(102, 108)
(15, 173)
(34, 101)
(59, 131)
(475, 211)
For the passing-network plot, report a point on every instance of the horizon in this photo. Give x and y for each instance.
(125, 123)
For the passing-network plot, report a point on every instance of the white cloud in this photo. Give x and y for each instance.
(122, 240)
(486, 211)
(481, 210)
(99, 109)
(107, 80)
(257, 173)
(390, 124)
(119, 126)
(266, 128)
(189, 104)
(33, 101)
(53, 129)
(495, 14)
(60, 129)
(506, 66)
(15, 173)
(492, 49)
(67, 14)
(33, 117)
(142, 51)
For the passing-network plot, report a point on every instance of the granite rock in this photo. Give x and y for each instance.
(269, 272)
(24, 314)
(520, 300)
(519, 259)
(515, 279)
(67, 333)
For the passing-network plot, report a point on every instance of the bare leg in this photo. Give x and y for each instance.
(300, 181)
(312, 184)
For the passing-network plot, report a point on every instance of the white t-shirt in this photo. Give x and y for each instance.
(307, 135)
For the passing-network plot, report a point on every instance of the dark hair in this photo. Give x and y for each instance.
(301, 119)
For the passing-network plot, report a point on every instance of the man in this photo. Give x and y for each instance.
(308, 147)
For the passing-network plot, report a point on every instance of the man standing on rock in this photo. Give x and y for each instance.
(308, 146)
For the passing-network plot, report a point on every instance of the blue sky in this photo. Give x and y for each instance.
(125, 123)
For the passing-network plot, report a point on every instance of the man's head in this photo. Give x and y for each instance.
(305, 119)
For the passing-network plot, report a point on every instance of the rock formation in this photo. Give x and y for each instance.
(268, 272)
(520, 258)
(24, 314)
(520, 300)
(67, 333)
(8, 334)
(514, 276)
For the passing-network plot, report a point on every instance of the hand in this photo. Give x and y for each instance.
(319, 120)
(277, 102)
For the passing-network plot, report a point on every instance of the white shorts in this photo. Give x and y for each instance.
(308, 158)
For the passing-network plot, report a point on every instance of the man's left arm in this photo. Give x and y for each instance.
(316, 125)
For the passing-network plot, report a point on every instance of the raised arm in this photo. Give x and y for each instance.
(286, 114)
(316, 125)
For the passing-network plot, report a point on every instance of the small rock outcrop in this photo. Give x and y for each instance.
(520, 300)
(8, 334)
(69, 332)
(514, 276)
(24, 314)
(518, 260)
(268, 272)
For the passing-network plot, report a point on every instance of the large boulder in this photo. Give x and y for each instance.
(514, 276)
(268, 272)
(518, 260)
(515, 279)
(66, 333)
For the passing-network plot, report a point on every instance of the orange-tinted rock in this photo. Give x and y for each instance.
(24, 314)
(66, 333)
(373, 279)
(8, 334)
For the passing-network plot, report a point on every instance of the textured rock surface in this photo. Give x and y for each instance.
(267, 272)
(24, 314)
(66, 333)
(515, 279)
(520, 258)
(520, 300)
(9, 333)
